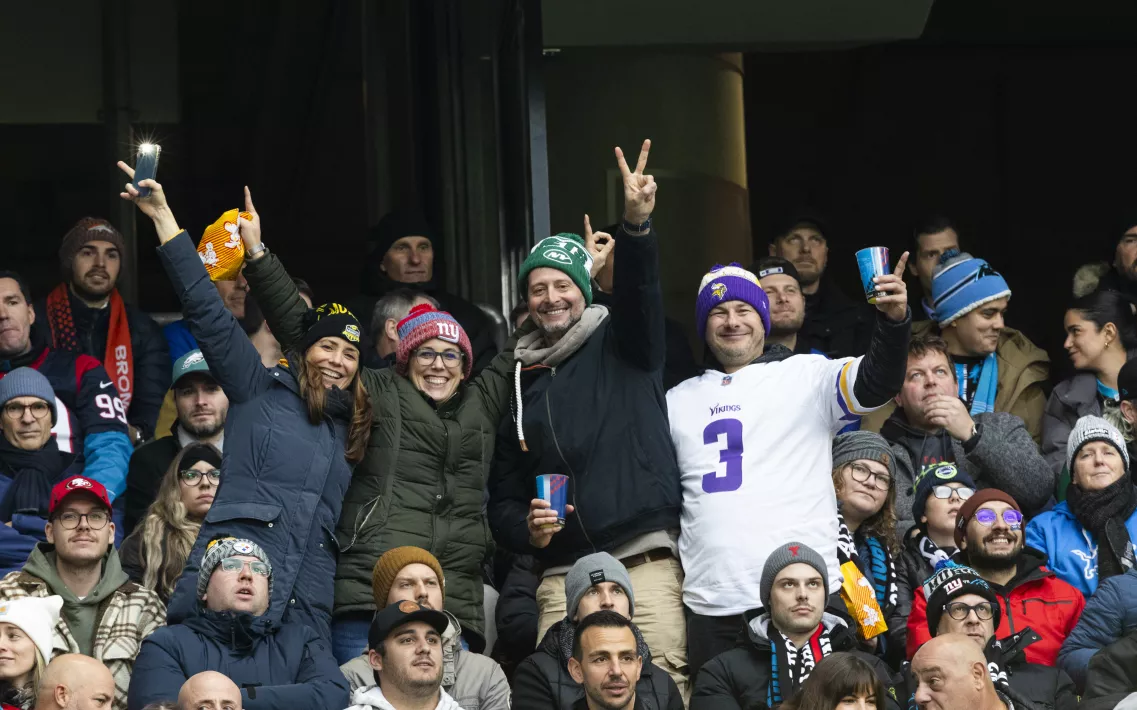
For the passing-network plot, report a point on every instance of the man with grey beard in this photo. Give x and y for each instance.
(590, 405)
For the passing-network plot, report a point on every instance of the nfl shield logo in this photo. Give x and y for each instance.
(726, 380)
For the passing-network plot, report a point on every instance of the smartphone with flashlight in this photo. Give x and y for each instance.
(146, 166)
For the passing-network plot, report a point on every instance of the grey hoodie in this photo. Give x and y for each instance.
(81, 615)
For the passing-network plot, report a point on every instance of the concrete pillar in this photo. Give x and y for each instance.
(691, 107)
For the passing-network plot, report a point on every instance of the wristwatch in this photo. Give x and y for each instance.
(256, 249)
(641, 228)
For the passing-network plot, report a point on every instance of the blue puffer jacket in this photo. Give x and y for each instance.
(283, 479)
(275, 666)
(1110, 614)
(1072, 549)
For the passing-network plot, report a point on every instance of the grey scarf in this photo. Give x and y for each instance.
(530, 349)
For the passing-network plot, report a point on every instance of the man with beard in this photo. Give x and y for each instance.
(89, 417)
(606, 662)
(989, 535)
(782, 285)
(834, 324)
(406, 656)
(201, 407)
(931, 425)
(590, 405)
(1121, 274)
(754, 414)
(85, 314)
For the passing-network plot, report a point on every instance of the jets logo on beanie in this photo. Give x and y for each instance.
(564, 252)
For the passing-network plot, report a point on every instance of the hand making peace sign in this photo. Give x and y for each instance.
(639, 189)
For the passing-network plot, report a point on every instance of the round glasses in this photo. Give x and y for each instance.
(862, 474)
(15, 410)
(450, 358)
(192, 477)
(234, 564)
(96, 519)
(1011, 517)
(984, 611)
(945, 492)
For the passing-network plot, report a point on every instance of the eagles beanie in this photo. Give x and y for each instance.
(564, 252)
(789, 554)
(729, 283)
(391, 562)
(962, 283)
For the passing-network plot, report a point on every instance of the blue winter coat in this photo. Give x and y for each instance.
(1110, 614)
(26, 479)
(275, 666)
(1073, 550)
(283, 479)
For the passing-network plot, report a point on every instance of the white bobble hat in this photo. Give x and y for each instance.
(37, 617)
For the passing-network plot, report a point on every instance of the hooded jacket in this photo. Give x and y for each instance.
(1003, 456)
(1024, 369)
(284, 477)
(542, 681)
(474, 681)
(600, 417)
(739, 679)
(26, 479)
(275, 666)
(1110, 614)
(122, 613)
(1035, 598)
(1072, 549)
(371, 698)
(422, 481)
(1071, 400)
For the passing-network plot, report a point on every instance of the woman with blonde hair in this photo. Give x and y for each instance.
(27, 628)
(156, 552)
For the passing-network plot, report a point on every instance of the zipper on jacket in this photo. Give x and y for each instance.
(374, 502)
(1010, 616)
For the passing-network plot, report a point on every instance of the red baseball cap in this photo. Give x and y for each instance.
(77, 484)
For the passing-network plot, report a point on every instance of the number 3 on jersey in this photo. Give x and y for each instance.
(110, 407)
(731, 455)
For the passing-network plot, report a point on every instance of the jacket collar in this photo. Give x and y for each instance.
(239, 631)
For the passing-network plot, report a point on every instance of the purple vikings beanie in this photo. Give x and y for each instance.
(729, 283)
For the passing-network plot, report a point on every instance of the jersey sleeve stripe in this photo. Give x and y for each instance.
(845, 396)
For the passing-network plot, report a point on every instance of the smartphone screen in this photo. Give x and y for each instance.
(146, 166)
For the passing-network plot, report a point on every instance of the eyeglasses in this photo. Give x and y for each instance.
(191, 476)
(15, 410)
(945, 492)
(862, 474)
(1011, 517)
(450, 358)
(96, 519)
(233, 564)
(959, 611)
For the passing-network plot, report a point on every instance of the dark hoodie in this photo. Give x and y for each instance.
(276, 666)
(542, 681)
(834, 324)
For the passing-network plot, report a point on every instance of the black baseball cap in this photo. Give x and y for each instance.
(1127, 380)
(395, 615)
(772, 265)
(800, 219)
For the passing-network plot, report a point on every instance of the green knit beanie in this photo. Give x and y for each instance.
(564, 252)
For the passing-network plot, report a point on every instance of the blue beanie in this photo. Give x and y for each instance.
(962, 283)
(26, 382)
(729, 283)
(932, 475)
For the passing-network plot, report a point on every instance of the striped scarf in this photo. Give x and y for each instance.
(790, 666)
(118, 360)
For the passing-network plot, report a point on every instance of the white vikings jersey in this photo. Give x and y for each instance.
(755, 456)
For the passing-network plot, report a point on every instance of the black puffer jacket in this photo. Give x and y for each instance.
(542, 681)
(912, 568)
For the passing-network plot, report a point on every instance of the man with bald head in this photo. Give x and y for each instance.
(75, 682)
(209, 690)
(951, 673)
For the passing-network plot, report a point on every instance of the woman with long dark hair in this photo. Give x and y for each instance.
(155, 554)
(840, 681)
(292, 438)
(1101, 335)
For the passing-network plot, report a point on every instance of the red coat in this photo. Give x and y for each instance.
(1034, 598)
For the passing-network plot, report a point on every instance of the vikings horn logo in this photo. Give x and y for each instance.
(718, 290)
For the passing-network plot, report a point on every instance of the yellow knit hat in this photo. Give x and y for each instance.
(221, 248)
(392, 562)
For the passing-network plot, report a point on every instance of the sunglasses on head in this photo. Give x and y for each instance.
(1011, 517)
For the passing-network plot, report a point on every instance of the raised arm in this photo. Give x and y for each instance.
(881, 372)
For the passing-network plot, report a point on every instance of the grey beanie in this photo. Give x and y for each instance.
(26, 382)
(857, 445)
(224, 547)
(594, 569)
(1090, 428)
(788, 554)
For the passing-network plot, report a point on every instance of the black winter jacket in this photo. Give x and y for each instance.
(739, 679)
(599, 417)
(542, 681)
(1112, 673)
(148, 465)
(834, 324)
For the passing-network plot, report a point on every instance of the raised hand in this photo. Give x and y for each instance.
(250, 228)
(542, 522)
(894, 305)
(599, 245)
(155, 206)
(639, 189)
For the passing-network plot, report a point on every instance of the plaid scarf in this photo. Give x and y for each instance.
(119, 356)
(790, 666)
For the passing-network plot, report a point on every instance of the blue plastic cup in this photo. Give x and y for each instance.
(873, 262)
(553, 488)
